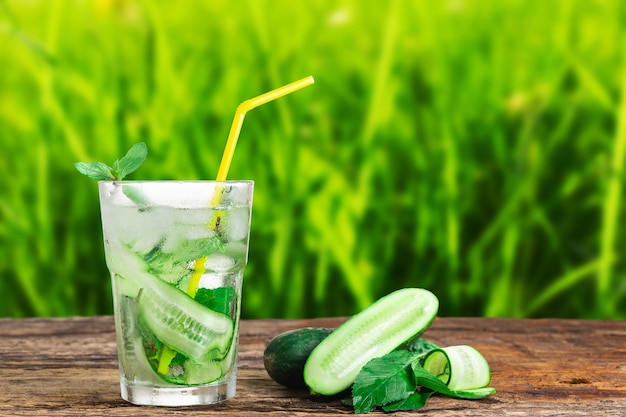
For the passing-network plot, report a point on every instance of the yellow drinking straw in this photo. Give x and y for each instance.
(229, 150)
(240, 113)
(167, 354)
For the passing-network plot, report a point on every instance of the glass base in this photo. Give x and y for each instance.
(179, 396)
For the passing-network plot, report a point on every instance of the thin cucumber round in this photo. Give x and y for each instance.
(392, 320)
(459, 367)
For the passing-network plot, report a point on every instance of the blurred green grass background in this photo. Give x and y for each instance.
(474, 148)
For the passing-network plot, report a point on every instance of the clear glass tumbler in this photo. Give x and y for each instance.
(176, 251)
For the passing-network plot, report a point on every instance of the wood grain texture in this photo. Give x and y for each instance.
(68, 367)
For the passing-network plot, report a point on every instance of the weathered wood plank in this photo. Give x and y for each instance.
(540, 367)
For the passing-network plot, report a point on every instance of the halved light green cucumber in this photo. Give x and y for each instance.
(459, 367)
(183, 324)
(335, 362)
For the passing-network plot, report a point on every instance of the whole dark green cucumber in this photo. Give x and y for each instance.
(285, 355)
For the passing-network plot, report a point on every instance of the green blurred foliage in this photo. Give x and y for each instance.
(474, 148)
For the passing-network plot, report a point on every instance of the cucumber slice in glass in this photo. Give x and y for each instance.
(183, 324)
(175, 318)
(201, 373)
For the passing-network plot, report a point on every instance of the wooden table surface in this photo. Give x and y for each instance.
(541, 367)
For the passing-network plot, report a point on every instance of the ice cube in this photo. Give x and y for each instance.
(146, 243)
(131, 225)
(219, 262)
(179, 235)
(238, 251)
(171, 242)
(198, 217)
(236, 224)
(236, 196)
(201, 232)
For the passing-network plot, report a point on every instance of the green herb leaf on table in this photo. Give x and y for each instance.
(419, 346)
(415, 401)
(398, 382)
(382, 381)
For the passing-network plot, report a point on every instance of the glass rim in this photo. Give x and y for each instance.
(231, 182)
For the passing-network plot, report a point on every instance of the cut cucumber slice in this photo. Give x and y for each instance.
(335, 362)
(183, 324)
(201, 373)
(459, 367)
(135, 364)
(184, 371)
(174, 318)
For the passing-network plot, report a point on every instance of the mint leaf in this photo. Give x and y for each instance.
(131, 161)
(419, 346)
(382, 381)
(392, 382)
(415, 401)
(121, 167)
(217, 299)
(95, 170)
(179, 359)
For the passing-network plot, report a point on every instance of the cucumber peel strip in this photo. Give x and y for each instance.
(455, 371)
(428, 380)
